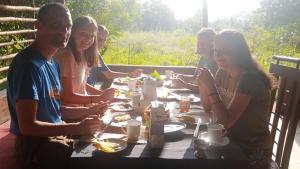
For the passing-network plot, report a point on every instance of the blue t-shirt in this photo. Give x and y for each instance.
(32, 76)
(95, 70)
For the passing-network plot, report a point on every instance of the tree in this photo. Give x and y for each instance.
(157, 16)
(280, 12)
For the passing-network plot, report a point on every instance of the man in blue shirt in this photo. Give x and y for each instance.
(33, 94)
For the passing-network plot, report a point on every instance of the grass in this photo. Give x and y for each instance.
(152, 48)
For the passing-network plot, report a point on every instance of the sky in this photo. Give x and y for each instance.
(217, 9)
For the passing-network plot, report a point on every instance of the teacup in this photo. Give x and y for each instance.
(215, 131)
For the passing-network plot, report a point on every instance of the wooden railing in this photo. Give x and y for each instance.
(12, 41)
(22, 36)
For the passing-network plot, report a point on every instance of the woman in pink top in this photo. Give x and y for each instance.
(75, 60)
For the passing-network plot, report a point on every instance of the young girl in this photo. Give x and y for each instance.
(75, 60)
(98, 72)
(239, 95)
(205, 49)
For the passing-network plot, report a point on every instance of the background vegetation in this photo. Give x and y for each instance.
(147, 32)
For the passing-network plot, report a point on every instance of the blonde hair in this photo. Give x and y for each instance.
(92, 51)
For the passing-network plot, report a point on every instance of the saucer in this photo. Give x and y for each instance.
(223, 141)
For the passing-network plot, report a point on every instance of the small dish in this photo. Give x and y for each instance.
(122, 107)
(110, 145)
(170, 127)
(222, 141)
(120, 119)
(122, 80)
(187, 119)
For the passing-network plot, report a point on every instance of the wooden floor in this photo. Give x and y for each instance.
(295, 156)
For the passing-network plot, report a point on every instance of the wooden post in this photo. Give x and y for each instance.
(204, 13)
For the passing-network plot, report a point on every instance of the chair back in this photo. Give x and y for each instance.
(285, 110)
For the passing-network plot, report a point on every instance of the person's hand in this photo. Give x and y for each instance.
(205, 79)
(90, 125)
(108, 94)
(136, 73)
(99, 108)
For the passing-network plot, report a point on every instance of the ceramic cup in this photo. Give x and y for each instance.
(215, 131)
(133, 130)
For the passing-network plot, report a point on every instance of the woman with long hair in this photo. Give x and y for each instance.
(75, 61)
(101, 72)
(239, 95)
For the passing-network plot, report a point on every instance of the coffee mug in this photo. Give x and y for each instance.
(133, 130)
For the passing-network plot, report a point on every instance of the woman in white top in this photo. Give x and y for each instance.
(75, 60)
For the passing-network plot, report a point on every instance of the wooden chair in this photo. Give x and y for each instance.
(285, 109)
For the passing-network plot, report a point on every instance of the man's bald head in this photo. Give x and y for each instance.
(51, 7)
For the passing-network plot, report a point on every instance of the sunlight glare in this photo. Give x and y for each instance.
(217, 9)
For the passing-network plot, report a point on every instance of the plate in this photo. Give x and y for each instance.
(110, 145)
(187, 119)
(193, 99)
(223, 141)
(122, 80)
(120, 119)
(171, 127)
(122, 94)
(122, 107)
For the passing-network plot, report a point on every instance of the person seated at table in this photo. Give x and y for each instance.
(33, 96)
(205, 49)
(74, 61)
(239, 95)
(102, 69)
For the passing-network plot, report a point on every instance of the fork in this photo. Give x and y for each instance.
(97, 136)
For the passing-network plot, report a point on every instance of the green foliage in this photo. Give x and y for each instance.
(157, 16)
(156, 75)
(153, 48)
(117, 15)
(280, 12)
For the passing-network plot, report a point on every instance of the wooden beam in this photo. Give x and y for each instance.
(18, 32)
(2, 69)
(18, 8)
(16, 42)
(5, 57)
(3, 80)
(15, 19)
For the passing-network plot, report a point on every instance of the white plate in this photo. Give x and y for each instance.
(107, 118)
(223, 141)
(119, 144)
(121, 107)
(193, 99)
(171, 127)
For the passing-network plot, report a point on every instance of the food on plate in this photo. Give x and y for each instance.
(122, 118)
(107, 146)
(186, 118)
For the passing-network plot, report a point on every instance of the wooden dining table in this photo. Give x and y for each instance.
(178, 150)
